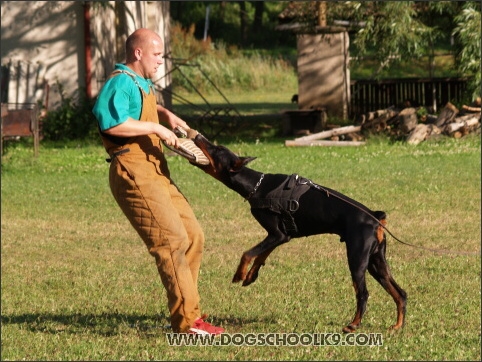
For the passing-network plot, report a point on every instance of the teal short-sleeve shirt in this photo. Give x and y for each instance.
(120, 98)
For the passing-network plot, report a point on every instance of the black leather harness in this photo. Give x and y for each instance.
(284, 200)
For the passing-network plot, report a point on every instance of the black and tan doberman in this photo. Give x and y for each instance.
(290, 206)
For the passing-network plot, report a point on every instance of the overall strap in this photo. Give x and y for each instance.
(133, 76)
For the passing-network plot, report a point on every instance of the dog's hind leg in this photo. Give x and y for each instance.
(358, 254)
(379, 269)
(361, 292)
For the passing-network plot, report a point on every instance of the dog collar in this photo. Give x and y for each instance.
(256, 187)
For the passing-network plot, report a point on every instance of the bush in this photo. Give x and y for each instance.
(72, 120)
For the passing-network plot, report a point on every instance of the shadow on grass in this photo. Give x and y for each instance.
(107, 324)
(243, 108)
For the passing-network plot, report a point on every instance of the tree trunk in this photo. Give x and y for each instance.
(377, 121)
(243, 16)
(322, 13)
(222, 11)
(258, 16)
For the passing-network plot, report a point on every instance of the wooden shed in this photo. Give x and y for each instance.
(323, 73)
(322, 63)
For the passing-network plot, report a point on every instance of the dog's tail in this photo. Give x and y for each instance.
(382, 222)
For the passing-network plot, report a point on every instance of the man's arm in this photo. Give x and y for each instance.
(132, 128)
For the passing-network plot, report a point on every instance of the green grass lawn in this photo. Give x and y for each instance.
(78, 283)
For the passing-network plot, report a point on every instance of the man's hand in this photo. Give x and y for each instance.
(168, 137)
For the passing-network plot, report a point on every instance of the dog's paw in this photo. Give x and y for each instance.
(247, 282)
(237, 278)
(252, 276)
(349, 328)
(395, 327)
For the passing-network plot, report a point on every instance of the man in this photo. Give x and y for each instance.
(129, 122)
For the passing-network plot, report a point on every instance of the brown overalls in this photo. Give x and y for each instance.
(141, 184)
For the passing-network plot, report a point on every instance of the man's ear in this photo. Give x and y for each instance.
(241, 162)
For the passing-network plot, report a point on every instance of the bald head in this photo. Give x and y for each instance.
(141, 39)
(144, 52)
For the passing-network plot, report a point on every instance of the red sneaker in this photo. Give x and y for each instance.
(200, 327)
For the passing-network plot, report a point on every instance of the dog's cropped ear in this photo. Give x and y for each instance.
(247, 160)
(241, 162)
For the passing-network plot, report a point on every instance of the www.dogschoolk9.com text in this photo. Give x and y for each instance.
(276, 339)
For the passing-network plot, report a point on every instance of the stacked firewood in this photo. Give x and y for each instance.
(410, 124)
(413, 126)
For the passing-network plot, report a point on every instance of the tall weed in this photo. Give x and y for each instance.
(227, 67)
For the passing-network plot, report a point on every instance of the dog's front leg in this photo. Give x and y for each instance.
(242, 267)
(259, 254)
(258, 263)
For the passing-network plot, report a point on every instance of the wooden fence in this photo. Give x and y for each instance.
(432, 93)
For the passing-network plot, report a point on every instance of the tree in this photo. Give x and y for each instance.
(468, 33)
(390, 31)
(394, 31)
(238, 23)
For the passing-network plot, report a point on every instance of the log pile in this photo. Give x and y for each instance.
(408, 124)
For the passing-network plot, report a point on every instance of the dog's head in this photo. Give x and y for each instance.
(222, 161)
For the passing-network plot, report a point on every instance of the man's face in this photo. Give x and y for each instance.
(151, 57)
